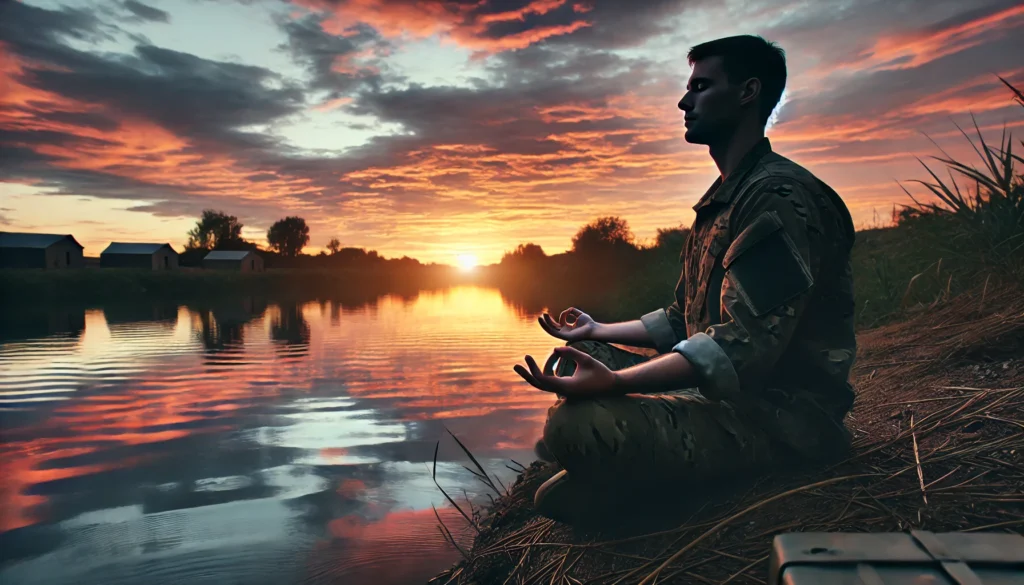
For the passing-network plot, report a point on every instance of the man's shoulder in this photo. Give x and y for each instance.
(775, 174)
(776, 169)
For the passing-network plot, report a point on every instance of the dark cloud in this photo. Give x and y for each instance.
(146, 12)
(619, 25)
(335, 63)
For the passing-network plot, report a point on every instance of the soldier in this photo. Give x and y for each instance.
(755, 352)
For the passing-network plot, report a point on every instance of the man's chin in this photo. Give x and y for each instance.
(693, 137)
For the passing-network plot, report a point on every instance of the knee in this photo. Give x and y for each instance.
(586, 346)
(570, 426)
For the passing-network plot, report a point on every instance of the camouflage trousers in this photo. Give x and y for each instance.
(675, 438)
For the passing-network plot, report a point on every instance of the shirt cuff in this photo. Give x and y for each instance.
(660, 329)
(718, 378)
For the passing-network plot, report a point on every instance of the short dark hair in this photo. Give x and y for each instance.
(747, 56)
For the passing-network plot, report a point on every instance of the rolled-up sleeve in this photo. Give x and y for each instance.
(660, 329)
(770, 269)
(717, 374)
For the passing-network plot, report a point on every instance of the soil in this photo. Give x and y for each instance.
(938, 445)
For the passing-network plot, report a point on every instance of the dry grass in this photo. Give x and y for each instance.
(939, 445)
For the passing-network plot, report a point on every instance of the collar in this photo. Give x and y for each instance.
(723, 191)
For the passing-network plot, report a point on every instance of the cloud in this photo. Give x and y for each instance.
(147, 125)
(337, 63)
(146, 12)
(490, 27)
(911, 49)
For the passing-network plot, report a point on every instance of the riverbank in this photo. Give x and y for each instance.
(939, 445)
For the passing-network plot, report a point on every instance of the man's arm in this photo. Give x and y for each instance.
(627, 333)
(661, 329)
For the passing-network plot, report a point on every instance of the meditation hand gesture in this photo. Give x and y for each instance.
(591, 378)
(572, 325)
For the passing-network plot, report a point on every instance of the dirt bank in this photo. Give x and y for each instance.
(939, 405)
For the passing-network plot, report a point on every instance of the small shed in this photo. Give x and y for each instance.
(242, 261)
(25, 250)
(143, 256)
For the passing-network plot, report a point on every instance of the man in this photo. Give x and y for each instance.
(761, 331)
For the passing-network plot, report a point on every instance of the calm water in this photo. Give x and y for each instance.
(255, 442)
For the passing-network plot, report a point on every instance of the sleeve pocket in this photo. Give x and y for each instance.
(765, 265)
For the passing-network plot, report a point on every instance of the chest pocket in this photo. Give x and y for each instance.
(711, 248)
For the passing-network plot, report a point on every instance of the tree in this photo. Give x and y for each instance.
(334, 245)
(671, 239)
(288, 236)
(215, 229)
(525, 254)
(603, 235)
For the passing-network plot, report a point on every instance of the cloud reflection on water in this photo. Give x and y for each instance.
(329, 408)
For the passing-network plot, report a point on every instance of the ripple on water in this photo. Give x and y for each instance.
(259, 443)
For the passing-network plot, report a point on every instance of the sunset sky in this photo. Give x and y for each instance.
(446, 128)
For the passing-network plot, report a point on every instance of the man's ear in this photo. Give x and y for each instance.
(750, 91)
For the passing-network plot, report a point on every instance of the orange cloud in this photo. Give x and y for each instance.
(459, 23)
(905, 51)
(982, 93)
(136, 148)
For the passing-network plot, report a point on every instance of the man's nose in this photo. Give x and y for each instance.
(684, 105)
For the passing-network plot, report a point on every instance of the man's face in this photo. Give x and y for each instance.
(711, 106)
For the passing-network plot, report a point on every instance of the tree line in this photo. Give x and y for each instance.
(605, 239)
(286, 238)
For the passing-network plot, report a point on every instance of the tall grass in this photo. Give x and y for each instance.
(984, 219)
(970, 233)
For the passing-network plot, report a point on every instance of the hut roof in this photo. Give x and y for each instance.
(227, 255)
(131, 248)
(26, 240)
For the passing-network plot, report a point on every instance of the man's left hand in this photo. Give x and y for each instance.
(591, 378)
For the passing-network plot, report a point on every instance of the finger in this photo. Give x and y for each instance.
(565, 314)
(550, 329)
(549, 366)
(526, 376)
(554, 326)
(530, 379)
(546, 383)
(534, 369)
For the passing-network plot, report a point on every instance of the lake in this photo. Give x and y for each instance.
(254, 441)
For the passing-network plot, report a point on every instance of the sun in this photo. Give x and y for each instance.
(467, 262)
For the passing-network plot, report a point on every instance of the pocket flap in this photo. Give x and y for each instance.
(764, 226)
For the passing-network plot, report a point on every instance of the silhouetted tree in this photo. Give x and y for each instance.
(525, 254)
(215, 229)
(603, 235)
(334, 245)
(671, 239)
(288, 236)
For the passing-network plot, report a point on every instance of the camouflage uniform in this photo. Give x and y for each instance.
(764, 312)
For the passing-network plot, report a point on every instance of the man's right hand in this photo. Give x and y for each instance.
(572, 325)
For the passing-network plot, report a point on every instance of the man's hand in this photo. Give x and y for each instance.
(591, 378)
(572, 325)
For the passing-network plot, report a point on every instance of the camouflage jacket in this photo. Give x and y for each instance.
(764, 306)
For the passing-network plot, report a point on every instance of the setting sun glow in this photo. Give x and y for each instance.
(467, 262)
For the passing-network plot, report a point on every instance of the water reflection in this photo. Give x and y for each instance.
(289, 328)
(36, 322)
(269, 442)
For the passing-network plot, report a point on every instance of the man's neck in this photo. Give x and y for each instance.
(728, 154)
